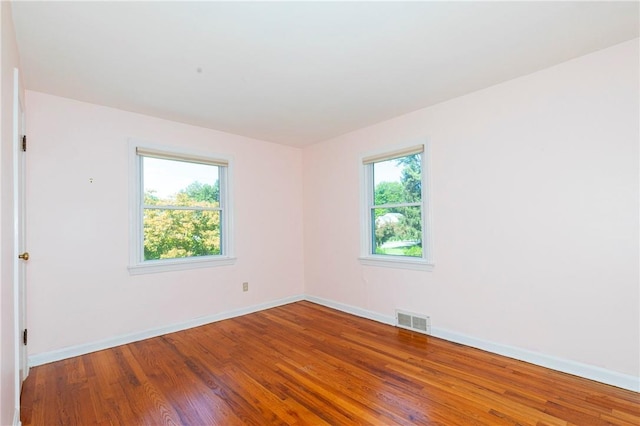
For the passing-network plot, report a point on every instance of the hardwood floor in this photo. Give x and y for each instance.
(306, 364)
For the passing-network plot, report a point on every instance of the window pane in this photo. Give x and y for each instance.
(397, 231)
(398, 181)
(170, 234)
(179, 183)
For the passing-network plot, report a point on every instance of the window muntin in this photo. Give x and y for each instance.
(396, 218)
(182, 213)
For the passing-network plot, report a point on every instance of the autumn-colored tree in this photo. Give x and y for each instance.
(174, 233)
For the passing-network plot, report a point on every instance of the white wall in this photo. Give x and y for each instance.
(535, 207)
(78, 232)
(8, 339)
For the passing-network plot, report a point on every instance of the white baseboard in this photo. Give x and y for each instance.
(587, 371)
(359, 312)
(72, 351)
(598, 374)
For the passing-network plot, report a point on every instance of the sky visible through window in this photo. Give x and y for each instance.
(167, 177)
(387, 171)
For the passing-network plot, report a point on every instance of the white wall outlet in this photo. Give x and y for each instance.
(245, 286)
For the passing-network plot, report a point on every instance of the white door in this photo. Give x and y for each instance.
(21, 234)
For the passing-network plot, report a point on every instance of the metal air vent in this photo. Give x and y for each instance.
(415, 322)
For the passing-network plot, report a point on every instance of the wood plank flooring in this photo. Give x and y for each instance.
(304, 364)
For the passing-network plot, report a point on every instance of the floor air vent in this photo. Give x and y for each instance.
(415, 322)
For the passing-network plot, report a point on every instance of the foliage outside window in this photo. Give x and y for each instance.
(395, 208)
(182, 222)
(181, 216)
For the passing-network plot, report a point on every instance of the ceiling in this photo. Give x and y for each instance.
(296, 73)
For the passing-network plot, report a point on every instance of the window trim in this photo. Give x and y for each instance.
(137, 264)
(367, 257)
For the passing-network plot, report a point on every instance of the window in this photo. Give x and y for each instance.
(180, 214)
(395, 209)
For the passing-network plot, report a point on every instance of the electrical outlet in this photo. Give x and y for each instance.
(245, 286)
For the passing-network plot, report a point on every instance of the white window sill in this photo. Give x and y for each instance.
(399, 262)
(154, 266)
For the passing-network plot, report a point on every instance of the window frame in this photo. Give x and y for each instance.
(137, 264)
(367, 255)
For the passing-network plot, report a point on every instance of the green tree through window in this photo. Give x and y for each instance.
(397, 206)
